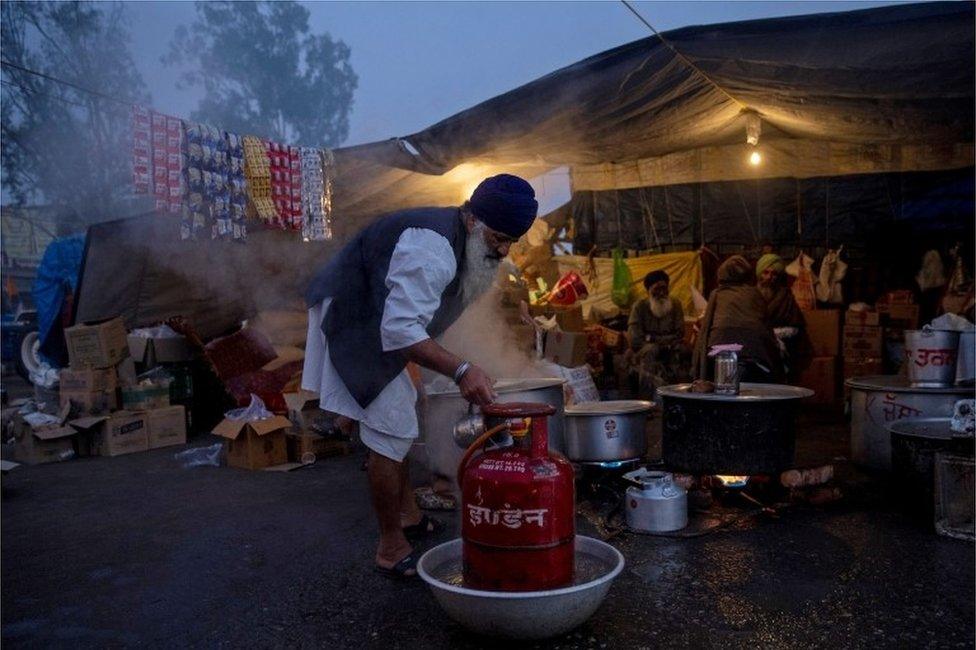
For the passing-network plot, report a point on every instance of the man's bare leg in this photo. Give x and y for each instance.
(385, 481)
(409, 512)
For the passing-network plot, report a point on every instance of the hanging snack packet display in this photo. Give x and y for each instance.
(295, 184)
(236, 184)
(257, 175)
(316, 192)
(196, 212)
(141, 150)
(279, 157)
(215, 177)
(167, 162)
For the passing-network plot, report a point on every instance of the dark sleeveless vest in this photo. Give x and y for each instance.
(355, 279)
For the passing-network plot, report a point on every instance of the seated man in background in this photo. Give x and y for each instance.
(782, 312)
(656, 334)
(736, 313)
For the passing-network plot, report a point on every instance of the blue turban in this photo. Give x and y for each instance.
(505, 203)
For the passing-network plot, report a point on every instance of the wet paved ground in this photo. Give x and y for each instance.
(135, 550)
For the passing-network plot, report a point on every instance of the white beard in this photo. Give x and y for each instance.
(480, 270)
(660, 308)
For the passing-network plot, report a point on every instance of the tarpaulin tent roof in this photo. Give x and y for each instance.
(876, 90)
(138, 268)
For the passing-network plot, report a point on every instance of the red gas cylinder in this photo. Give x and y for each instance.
(518, 507)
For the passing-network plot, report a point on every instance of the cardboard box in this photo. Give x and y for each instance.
(566, 348)
(862, 318)
(87, 380)
(97, 344)
(303, 409)
(820, 376)
(570, 319)
(304, 447)
(145, 398)
(47, 442)
(255, 445)
(167, 426)
(126, 372)
(95, 402)
(153, 350)
(862, 342)
(862, 367)
(823, 330)
(122, 432)
(902, 315)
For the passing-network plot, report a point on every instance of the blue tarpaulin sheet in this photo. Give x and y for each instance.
(57, 273)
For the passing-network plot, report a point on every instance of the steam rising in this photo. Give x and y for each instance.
(482, 337)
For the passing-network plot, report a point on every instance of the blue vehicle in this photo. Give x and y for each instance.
(34, 337)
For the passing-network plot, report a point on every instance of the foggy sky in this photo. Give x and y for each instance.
(420, 62)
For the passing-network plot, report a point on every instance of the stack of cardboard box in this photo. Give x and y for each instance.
(898, 313)
(90, 420)
(820, 372)
(863, 344)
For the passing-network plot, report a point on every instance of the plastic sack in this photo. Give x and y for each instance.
(622, 280)
(158, 376)
(256, 410)
(568, 290)
(200, 456)
(158, 332)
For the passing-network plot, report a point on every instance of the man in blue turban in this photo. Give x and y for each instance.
(380, 303)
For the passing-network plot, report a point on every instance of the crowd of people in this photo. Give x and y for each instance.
(752, 306)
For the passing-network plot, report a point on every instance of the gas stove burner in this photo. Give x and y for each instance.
(610, 465)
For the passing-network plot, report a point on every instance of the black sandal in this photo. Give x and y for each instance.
(405, 569)
(426, 526)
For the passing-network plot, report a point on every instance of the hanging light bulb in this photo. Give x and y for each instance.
(753, 128)
(755, 158)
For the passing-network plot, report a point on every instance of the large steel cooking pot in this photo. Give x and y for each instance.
(753, 432)
(914, 444)
(879, 400)
(606, 431)
(442, 410)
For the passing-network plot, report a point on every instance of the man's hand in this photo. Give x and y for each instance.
(476, 387)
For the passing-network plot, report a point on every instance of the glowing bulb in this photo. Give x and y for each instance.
(755, 158)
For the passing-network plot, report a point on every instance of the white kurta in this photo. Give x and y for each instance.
(421, 267)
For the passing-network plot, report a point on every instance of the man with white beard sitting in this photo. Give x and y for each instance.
(656, 333)
(379, 304)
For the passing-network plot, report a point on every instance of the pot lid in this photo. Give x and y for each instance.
(503, 386)
(900, 384)
(932, 428)
(747, 393)
(611, 407)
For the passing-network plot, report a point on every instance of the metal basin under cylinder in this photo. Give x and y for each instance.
(442, 410)
(753, 432)
(606, 431)
(879, 400)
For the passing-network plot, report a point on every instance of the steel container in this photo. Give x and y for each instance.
(658, 505)
(441, 411)
(521, 614)
(931, 357)
(966, 358)
(879, 400)
(727, 373)
(753, 432)
(914, 445)
(606, 431)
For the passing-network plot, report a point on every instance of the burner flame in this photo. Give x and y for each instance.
(733, 481)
